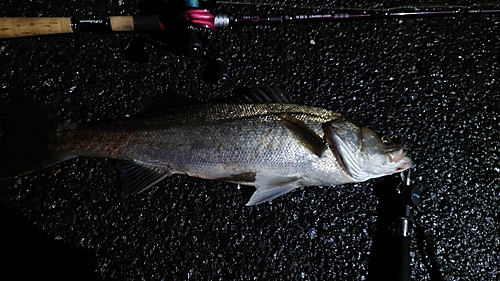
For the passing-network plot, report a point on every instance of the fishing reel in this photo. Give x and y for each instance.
(186, 29)
(199, 31)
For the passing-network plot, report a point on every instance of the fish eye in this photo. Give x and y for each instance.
(385, 139)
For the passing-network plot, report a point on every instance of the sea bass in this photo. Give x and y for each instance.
(274, 146)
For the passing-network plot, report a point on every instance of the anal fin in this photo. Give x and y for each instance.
(138, 177)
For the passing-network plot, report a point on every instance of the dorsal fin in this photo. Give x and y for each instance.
(261, 94)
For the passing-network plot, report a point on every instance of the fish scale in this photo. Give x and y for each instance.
(200, 139)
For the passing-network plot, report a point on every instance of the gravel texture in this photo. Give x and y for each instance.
(434, 81)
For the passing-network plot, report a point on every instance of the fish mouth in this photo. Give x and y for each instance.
(395, 155)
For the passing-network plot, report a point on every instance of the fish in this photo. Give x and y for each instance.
(261, 139)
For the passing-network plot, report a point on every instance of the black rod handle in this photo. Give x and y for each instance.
(390, 253)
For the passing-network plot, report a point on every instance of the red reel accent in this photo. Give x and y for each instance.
(199, 17)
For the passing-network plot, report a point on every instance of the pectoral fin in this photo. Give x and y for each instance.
(305, 135)
(137, 176)
(271, 186)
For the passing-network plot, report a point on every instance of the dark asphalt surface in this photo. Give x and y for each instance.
(435, 81)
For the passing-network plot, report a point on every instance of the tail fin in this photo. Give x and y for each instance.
(26, 134)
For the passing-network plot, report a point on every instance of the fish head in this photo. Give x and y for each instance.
(362, 153)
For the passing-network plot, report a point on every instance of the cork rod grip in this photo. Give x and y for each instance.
(20, 27)
(122, 23)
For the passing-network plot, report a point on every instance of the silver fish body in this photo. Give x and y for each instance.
(276, 147)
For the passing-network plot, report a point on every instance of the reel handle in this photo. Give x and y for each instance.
(192, 44)
(216, 72)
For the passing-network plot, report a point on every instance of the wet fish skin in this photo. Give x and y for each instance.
(274, 146)
(204, 141)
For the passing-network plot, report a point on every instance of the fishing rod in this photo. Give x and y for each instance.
(190, 28)
(20, 27)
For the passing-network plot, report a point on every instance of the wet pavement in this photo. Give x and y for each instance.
(434, 81)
